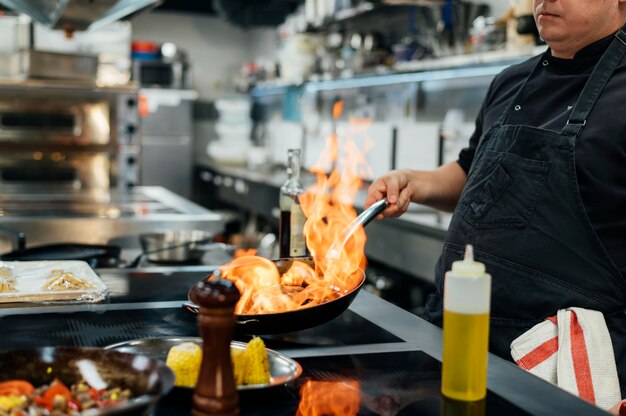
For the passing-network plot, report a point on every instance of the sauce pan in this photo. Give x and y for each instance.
(179, 246)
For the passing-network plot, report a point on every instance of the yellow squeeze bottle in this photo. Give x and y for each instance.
(466, 302)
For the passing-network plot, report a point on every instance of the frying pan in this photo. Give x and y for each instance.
(290, 321)
(307, 317)
(95, 255)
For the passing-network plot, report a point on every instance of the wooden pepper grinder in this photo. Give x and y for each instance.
(216, 391)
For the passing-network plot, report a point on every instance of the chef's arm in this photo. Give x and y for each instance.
(439, 188)
(443, 187)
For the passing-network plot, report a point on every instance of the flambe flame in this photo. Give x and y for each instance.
(326, 398)
(328, 206)
(240, 252)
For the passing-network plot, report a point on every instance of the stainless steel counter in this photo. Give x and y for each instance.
(50, 218)
(147, 304)
(411, 243)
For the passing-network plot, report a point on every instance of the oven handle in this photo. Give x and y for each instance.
(20, 237)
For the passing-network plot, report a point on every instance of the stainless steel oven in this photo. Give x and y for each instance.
(68, 138)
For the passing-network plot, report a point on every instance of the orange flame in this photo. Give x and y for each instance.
(240, 252)
(326, 398)
(328, 206)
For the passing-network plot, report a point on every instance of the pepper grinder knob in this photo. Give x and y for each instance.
(216, 391)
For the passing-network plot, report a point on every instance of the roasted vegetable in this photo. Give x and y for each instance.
(257, 369)
(184, 359)
(16, 388)
(238, 359)
(250, 366)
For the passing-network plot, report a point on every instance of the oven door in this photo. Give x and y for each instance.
(54, 121)
(73, 172)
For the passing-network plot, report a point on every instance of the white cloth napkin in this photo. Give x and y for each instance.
(574, 351)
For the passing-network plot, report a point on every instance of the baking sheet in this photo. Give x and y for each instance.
(30, 282)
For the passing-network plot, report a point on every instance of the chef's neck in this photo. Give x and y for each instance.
(568, 48)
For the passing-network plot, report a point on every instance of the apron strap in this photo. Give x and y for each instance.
(595, 84)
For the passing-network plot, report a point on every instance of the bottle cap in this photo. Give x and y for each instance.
(468, 267)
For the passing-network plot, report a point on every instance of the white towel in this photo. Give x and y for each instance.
(574, 351)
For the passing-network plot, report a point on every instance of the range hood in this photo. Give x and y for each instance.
(73, 15)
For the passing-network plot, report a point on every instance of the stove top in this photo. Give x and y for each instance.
(96, 329)
(398, 383)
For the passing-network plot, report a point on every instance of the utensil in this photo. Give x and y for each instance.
(147, 378)
(282, 368)
(334, 252)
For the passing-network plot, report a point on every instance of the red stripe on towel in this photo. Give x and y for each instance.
(552, 319)
(580, 360)
(539, 354)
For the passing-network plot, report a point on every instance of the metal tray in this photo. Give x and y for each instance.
(282, 368)
(30, 277)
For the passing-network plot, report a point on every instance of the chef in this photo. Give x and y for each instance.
(541, 189)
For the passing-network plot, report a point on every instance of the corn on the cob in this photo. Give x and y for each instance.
(257, 369)
(238, 358)
(184, 359)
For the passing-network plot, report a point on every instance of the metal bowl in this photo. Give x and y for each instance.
(180, 246)
(147, 378)
(283, 369)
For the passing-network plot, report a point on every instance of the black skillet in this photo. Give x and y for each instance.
(290, 321)
(306, 317)
(96, 256)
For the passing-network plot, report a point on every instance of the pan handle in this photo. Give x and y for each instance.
(195, 309)
(20, 237)
(362, 220)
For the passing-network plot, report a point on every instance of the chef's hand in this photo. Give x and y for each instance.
(619, 409)
(395, 186)
(440, 189)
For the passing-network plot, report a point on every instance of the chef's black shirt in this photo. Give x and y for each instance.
(546, 102)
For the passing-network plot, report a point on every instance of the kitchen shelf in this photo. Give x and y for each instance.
(341, 16)
(364, 8)
(468, 65)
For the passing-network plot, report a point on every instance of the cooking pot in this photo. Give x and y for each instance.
(180, 246)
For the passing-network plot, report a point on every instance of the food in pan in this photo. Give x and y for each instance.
(21, 398)
(63, 280)
(250, 366)
(7, 285)
(266, 289)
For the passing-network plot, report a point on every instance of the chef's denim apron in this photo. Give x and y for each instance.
(522, 211)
